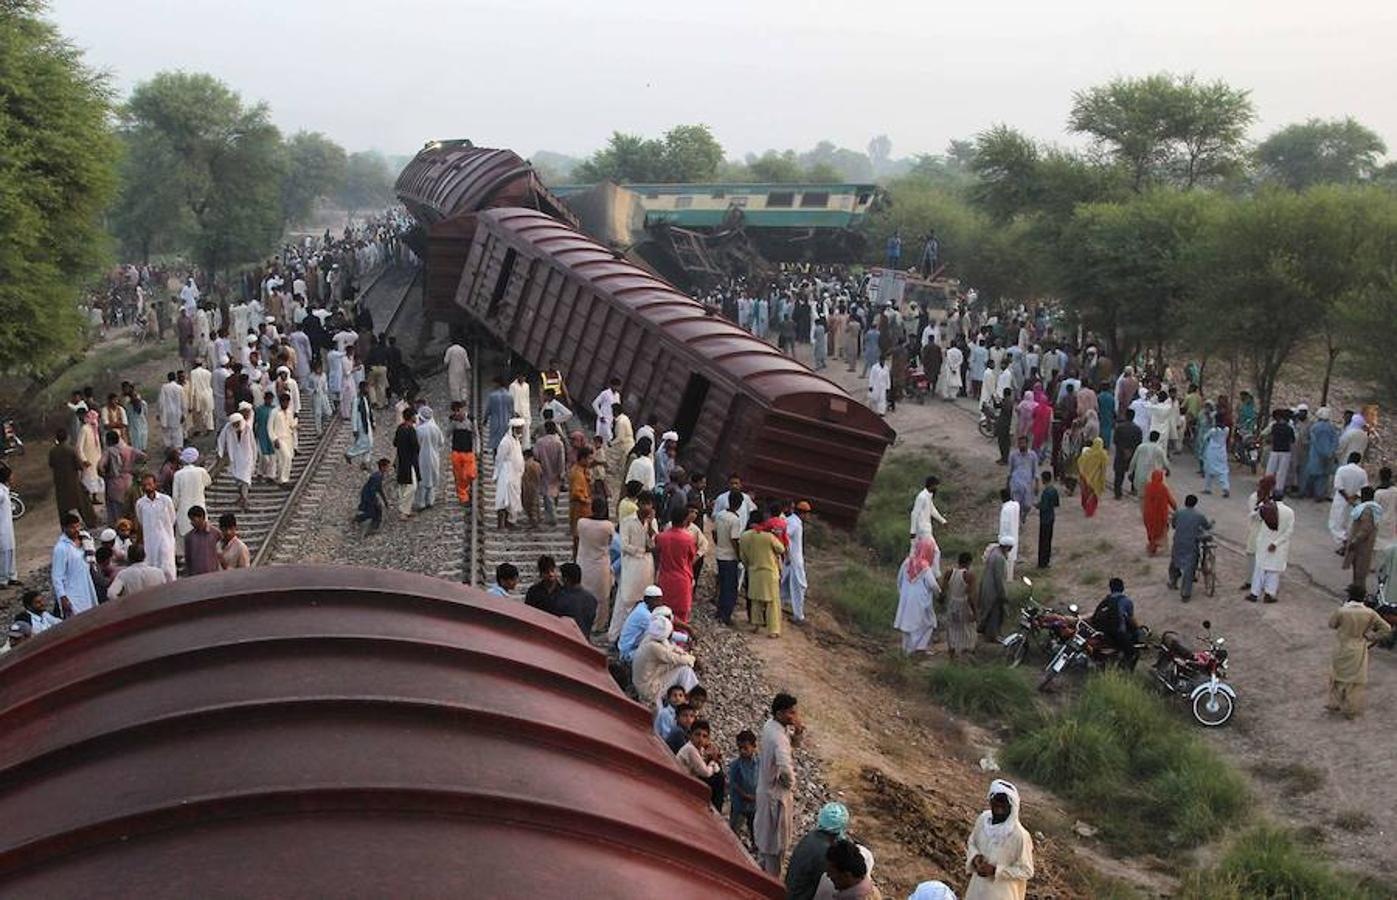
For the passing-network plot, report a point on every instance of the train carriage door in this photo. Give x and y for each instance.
(691, 406)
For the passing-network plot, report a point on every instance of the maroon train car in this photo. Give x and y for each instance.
(444, 185)
(330, 731)
(739, 405)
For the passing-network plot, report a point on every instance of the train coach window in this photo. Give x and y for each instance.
(683, 201)
(814, 200)
(502, 282)
(781, 198)
(864, 198)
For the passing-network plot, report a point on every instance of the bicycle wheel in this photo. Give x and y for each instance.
(1209, 571)
(16, 507)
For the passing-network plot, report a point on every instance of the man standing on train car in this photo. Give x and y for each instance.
(601, 408)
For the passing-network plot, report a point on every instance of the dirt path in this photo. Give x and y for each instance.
(1330, 776)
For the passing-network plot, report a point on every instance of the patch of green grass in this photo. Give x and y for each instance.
(988, 691)
(865, 596)
(1269, 862)
(883, 525)
(103, 370)
(1147, 775)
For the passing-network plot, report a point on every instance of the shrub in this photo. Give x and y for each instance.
(1068, 752)
(993, 691)
(1268, 862)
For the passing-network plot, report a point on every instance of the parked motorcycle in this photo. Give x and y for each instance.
(1379, 603)
(1247, 451)
(1039, 629)
(1089, 648)
(10, 441)
(918, 384)
(17, 507)
(988, 413)
(1198, 675)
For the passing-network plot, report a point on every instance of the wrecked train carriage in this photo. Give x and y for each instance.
(443, 187)
(549, 293)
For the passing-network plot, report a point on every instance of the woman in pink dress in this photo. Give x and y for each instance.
(1042, 418)
(677, 550)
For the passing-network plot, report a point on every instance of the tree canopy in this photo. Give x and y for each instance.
(1337, 151)
(315, 167)
(686, 153)
(57, 174)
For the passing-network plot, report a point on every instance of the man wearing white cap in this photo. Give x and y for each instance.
(509, 475)
(663, 461)
(188, 488)
(285, 384)
(235, 444)
(999, 854)
(638, 620)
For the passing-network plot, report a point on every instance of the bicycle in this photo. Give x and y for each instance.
(1207, 565)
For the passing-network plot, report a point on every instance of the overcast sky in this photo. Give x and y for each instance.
(562, 74)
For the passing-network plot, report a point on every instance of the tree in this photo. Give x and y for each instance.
(778, 168)
(691, 154)
(625, 158)
(1123, 267)
(150, 215)
(1165, 126)
(1338, 151)
(225, 158)
(368, 182)
(1006, 163)
(315, 167)
(880, 153)
(57, 155)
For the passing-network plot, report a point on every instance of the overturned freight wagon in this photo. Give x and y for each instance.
(443, 187)
(549, 293)
(331, 731)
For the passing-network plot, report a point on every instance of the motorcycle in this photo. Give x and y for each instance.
(1040, 628)
(1379, 603)
(1198, 675)
(9, 439)
(1247, 451)
(1087, 646)
(918, 385)
(988, 413)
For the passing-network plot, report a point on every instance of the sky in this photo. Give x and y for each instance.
(563, 74)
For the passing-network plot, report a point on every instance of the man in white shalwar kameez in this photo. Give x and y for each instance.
(188, 488)
(1349, 481)
(999, 853)
(523, 406)
(793, 582)
(170, 412)
(235, 444)
(1272, 552)
(430, 440)
(879, 381)
(1010, 514)
(201, 398)
(9, 574)
(950, 373)
(509, 476)
(281, 427)
(601, 408)
(924, 510)
(156, 513)
(458, 371)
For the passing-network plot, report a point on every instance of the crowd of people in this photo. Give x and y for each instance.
(130, 486)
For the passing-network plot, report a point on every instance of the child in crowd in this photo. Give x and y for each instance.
(684, 718)
(664, 716)
(742, 785)
(704, 761)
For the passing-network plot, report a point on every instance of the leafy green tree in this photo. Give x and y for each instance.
(226, 162)
(1006, 163)
(777, 168)
(1166, 127)
(846, 164)
(150, 215)
(824, 173)
(315, 167)
(691, 154)
(1337, 151)
(625, 158)
(57, 155)
(368, 182)
(1124, 266)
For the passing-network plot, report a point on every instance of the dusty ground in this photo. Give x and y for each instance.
(1335, 778)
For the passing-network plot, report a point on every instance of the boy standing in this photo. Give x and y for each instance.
(742, 784)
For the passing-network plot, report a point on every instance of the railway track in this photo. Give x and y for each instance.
(274, 517)
(486, 546)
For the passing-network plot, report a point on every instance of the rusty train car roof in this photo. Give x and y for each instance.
(759, 367)
(446, 180)
(335, 731)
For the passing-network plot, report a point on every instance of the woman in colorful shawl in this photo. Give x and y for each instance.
(1158, 503)
(1042, 420)
(917, 590)
(1091, 470)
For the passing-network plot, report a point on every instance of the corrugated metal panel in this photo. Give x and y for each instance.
(565, 297)
(340, 732)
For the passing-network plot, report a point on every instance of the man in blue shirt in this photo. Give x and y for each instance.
(72, 577)
(636, 624)
(506, 580)
(1115, 619)
(742, 785)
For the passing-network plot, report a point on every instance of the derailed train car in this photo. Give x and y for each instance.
(330, 731)
(550, 293)
(443, 187)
